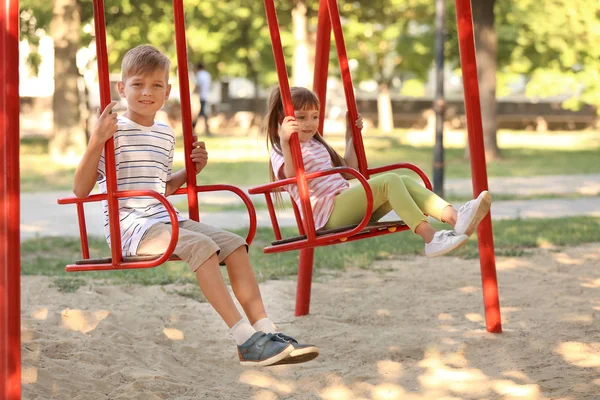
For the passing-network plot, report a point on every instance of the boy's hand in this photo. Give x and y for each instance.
(199, 154)
(288, 126)
(106, 125)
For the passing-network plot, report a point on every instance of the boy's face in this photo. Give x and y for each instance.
(145, 95)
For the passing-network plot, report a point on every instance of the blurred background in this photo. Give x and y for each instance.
(539, 66)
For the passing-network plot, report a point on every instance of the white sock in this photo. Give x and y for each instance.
(265, 325)
(242, 331)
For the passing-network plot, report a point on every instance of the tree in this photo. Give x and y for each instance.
(486, 45)
(69, 134)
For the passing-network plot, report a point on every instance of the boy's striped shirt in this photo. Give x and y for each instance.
(144, 158)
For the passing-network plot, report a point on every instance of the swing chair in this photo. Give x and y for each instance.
(309, 238)
(112, 195)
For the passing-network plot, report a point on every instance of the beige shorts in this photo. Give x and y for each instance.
(197, 242)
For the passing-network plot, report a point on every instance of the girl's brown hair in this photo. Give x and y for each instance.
(302, 99)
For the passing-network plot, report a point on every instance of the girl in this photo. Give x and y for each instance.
(336, 204)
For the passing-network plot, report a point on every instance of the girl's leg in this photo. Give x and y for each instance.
(389, 191)
(429, 202)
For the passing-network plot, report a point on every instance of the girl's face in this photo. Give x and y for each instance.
(308, 121)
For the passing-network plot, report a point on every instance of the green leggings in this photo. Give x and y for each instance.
(409, 199)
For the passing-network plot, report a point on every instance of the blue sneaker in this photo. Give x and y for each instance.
(301, 352)
(263, 349)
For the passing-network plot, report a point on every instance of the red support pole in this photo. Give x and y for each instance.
(336, 24)
(321, 71)
(487, 259)
(10, 241)
(109, 147)
(186, 113)
(305, 270)
(288, 107)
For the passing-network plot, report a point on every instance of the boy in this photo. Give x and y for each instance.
(144, 155)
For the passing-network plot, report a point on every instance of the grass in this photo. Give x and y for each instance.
(242, 161)
(514, 238)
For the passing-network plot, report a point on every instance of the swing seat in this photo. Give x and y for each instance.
(374, 229)
(146, 261)
(324, 237)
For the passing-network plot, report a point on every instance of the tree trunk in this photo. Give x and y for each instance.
(486, 43)
(69, 136)
(301, 73)
(384, 109)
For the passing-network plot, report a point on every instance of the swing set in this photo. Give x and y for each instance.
(308, 239)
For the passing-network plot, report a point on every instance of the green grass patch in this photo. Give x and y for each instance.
(514, 238)
(244, 161)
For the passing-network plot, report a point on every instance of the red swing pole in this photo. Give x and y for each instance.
(10, 241)
(306, 258)
(286, 97)
(485, 236)
(323, 46)
(109, 147)
(186, 113)
(340, 46)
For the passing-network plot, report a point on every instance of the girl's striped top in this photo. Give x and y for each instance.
(144, 158)
(322, 190)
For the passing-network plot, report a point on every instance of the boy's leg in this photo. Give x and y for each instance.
(205, 265)
(233, 252)
(245, 287)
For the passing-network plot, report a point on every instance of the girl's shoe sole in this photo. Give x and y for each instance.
(448, 250)
(482, 210)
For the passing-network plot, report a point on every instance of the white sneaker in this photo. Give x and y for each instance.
(444, 242)
(471, 214)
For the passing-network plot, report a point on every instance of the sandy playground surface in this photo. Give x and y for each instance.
(409, 328)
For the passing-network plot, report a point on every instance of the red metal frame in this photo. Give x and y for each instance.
(306, 225)
(112, 195)
(487, 259)
(10, 242)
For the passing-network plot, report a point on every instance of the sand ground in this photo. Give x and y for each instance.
(408, 328)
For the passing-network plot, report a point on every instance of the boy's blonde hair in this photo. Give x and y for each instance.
(142, 60)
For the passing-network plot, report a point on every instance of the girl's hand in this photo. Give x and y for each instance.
(288, 126)
(199, 155)
(106, 125)
(358, 122)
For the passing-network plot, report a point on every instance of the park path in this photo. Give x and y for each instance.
(42, 216)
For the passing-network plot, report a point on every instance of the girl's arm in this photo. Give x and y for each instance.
(350, 158)
(288, 126)
(86, 173)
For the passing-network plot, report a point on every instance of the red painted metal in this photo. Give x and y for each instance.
(85, 248)
(336, 25)
(286, 97)
(315, 241)
(321, 71)
(10, 241)
(118, 263)
(109, 147)
(186, 111)
(241, 194)
(478, 167)
(303, 286)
